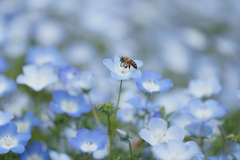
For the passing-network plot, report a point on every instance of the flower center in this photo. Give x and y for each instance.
(8, 142)
(69, 106)
(122, 71)
(161, 138)
(151, 85)
(22, 126)
(37, 80)
(203, 112)
(34, 157)
(89, 147)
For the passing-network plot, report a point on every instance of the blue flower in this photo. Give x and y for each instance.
(35, 150)
(5, 118)
(67, 73)
(158, 132)
(6, 85)
(119, 72)
(88, 142)
(82, 82)
(3, 64)
(41, 56)
(141, 105)
(199, 129)
(205, 110)
(229, 157)
(155, 115)
(11, 140)
(174, 150)
(27, 123)
(37, 77)
(152, 82)
(71, 105)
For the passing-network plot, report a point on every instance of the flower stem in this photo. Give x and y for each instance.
(146, 109)
(94, 113)
(223, 140)
(110, 137)
(130, 149)
(202, 147)
(114, 119)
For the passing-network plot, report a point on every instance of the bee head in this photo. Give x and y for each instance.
(121, 59)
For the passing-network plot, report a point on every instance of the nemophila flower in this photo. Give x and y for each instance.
(6, 85)
(88, 142)
(158, 132)
(122, 134)
(5, 118)
(119, 72)
(3, 64)
(205, 110)
(27, 123)
(19, 99)
(199, 156)
(175, 150)
(140, 104)
(228, 157)
(199, 129)
(152, 82)
(37, 77)
(58, 156)
(204, 88)
(82, 82)
(71, 105)
(40, 56)
(35, 151)
(11, 140)
(155, 115)
(67, 73)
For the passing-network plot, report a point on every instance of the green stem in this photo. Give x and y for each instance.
(202, 147)
(114, 119)
(130, 149)
(6, 156)
(110, 137)
(94, 113)
(223, 140)
(146, 109)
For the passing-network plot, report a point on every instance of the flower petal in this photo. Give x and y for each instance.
(148, 136)
(175, 133)
(109, 64)
(9, 129)
(157, 126)
(139, 63)
(18, 149)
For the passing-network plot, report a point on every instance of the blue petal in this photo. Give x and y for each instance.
(54, 106)
(18, 149)
(199, 129)
(117, 59)
(84, 135)
(23, 138)
(109, 64)
(142, 88)
(136, 73)
(75, 143)
(99, 138)
(212, 158)
(139, 63)
(117, 77)
(9, 129)
(3, 150)
(165, 85)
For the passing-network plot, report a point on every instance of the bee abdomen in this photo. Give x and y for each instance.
(133, 64)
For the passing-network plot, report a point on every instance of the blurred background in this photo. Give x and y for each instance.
(180, 39)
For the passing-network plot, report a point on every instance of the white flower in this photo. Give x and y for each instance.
(158, 132)
(37, 77)
(204, 87)
(58, 156)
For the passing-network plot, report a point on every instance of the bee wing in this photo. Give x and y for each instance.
(139, 63)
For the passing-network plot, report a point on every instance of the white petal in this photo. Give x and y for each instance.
(157, 126)
(175, 133)
(148, 136)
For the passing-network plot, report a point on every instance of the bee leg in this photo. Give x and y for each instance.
(129, 66)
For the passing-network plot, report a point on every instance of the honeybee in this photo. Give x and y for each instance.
(127, 62)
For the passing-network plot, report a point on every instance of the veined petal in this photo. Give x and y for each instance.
(157, 126)
(148, 136)
(175, 133)
(109, 64)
